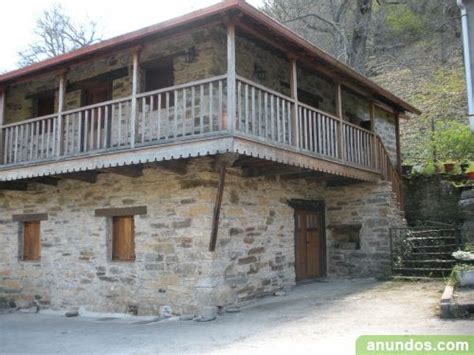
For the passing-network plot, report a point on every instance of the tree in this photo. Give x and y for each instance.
(341, 27)
(57, 34)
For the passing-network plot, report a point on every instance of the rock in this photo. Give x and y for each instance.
(207, 314)
(166, 312)
(186, 317)
(69, 314)
(233, 310)
(279, 293)
(32, 309)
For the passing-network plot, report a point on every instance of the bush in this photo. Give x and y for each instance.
(453, 141)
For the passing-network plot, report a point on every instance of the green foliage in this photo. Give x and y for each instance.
(403, 22)
(453, 141)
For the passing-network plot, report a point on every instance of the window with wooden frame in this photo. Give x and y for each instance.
(31, 249)
(123, 238)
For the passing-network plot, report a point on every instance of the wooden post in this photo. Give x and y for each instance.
(133, 108)
(61, 95)
(372, 137)
(217, 208)
(231, 75)
(340, 114)
(2, 121)
(399, 160)
(294, 95)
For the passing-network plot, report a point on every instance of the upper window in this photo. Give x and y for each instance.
(44, 105)
(31, 241)
(123, 238)
(96, 92)
(159, 75)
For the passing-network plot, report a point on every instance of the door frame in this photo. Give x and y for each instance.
(314, 206)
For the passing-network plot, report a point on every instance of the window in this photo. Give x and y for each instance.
(123, 238)
(44, 105)
(160, 75)
(31, 241)
(95, 92)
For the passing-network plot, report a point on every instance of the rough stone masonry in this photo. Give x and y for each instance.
(173, 267)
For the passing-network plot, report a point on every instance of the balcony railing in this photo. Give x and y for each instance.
(196, 110)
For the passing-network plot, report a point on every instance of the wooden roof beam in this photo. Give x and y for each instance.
(132, 171)
(13, 185)
(84, 176)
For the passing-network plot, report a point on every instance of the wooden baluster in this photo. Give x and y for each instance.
(159, 117)
(239, 106)
(201, 109)
(107, 129)
(283, 119)
(246, 101)
(152, 121)
(143, 120)
(289, 110)
(278, 123)
(99, 126)
(6, 148)
(265, 114)
(221, 111)
(272, 117)
(193, 110)
(92, 126)
(66, 134)
(254, 130)
(176, 101)
(185, 108)
(2, 122)
(211, 113)
(260, 112)
(22, 143)
(119, 125)
(15, 152)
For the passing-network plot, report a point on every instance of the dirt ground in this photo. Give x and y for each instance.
(321, 317)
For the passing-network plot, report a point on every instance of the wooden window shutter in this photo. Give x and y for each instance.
(123, 238)
(31, 241)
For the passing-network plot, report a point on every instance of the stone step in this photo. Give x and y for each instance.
(422, 271)
(433, 238)
(437, 261)
(444, 247)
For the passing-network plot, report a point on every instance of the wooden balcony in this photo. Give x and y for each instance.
(192, 120)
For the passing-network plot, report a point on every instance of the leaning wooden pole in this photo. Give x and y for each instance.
(217, 208)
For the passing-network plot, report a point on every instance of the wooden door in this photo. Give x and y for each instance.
(309, 244)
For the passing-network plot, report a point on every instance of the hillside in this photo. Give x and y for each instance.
(437, 89)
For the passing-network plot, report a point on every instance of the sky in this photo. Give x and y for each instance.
(115, 17)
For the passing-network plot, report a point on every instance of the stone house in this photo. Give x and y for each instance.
(200, 162)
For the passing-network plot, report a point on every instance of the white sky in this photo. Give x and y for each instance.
(115, 17)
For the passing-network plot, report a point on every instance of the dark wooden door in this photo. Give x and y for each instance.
(309, 244)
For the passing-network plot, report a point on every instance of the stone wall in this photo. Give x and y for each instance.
(210, 61)
(384, 126)
(431, 198)
(355, 108)
(374, 210)
(254, 254)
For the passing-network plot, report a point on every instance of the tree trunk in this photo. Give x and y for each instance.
(358, 53)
